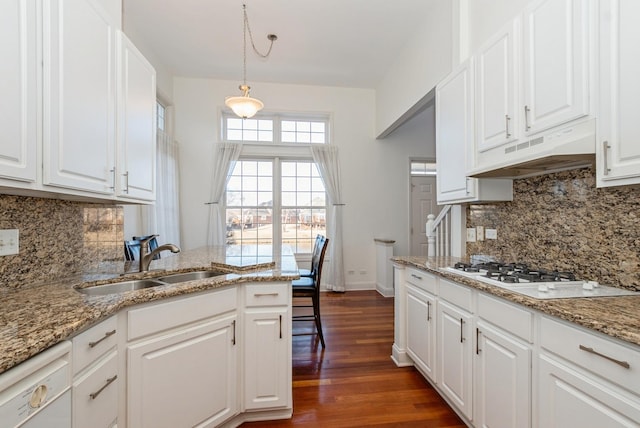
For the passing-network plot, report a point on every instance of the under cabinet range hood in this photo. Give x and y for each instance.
(560, 149)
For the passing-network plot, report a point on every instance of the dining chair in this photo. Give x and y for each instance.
(315, 253)
(153, 243)
(309, 287)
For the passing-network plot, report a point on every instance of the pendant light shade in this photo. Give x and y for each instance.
(244, 106)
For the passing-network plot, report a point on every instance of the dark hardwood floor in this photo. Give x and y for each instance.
(353, 382)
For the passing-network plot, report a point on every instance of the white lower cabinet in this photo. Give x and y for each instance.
(502, 365)
(94, 391)
(421, 330)
(455, 357)
(585, 379)
(503, 379)
(185, 378)
(267, 352)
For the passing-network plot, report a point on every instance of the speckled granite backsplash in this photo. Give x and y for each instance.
(563, 221)
(58, 238)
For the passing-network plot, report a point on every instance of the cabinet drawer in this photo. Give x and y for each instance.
(267, 294)
(162, 316)
(457, 294)
(93, 343)
(508, 317)
(422, 279)
(95, 395)
(605, 357)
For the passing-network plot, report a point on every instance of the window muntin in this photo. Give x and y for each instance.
(295, 218)
(160, 116)
(249, 129)
(304, 208)
(276, 129)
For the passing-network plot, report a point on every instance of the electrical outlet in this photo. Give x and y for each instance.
(491, 233)
(471, 234)
(9, 242)
(480, 233)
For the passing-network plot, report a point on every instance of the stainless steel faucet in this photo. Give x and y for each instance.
(146, 256)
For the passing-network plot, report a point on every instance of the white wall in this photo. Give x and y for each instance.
(486, 17)
(374, 173)
(425, 60)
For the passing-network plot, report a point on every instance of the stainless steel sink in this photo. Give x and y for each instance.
(119, 287)
(190, 276)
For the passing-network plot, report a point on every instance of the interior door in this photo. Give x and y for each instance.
(423, 203)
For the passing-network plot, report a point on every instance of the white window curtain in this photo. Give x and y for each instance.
(225, 156)
(326, 158)
(163, 218)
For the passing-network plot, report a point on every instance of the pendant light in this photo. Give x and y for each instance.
(244, 106)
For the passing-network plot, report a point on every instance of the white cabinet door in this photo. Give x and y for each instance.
(136, 125)
(503, 379)
(571, 398)
(79, 96)
(421, 330)
(454, 134)
(455, 356)
(267, 358)
(555, 63)
(185, 378)
(18, 86)
(497, 112)
(618, 151)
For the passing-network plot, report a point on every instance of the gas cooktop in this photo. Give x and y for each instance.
(533, 282)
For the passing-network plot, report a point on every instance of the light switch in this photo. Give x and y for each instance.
(491, 233)
(480, 233)
(9, 243)
(471, 234)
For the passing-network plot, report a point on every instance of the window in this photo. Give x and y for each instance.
(160, 116)
(276, 129)
(423, 168)
(274, 200)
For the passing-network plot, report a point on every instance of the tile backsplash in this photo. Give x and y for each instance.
(59, 238)
(563, 221)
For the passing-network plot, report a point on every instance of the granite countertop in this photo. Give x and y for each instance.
(37, 316)
(617, 317)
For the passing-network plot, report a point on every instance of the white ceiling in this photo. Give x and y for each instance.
(347, 43)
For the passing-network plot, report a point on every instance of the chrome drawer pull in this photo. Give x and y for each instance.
(264, 294)
(413, 275)
(94, 395)
(606, 357)
(107, 334)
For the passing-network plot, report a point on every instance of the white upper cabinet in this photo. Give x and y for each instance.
(80, 96)
(497, 112)
(555, 63)
(18, 83)
(618, 150)
(455, 142)
(136, 123)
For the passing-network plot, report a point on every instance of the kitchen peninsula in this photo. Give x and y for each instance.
(227, 329)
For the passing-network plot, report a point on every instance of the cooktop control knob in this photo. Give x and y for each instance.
(38, 396)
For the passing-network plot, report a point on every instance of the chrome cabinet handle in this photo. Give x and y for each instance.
(107, 334)
(477, 341)
(606, 357)
(466, 185)
(507, 119)
(94, 395)
(526, 118)
(280, 326)
(413, 275)
(126, 182)
(233, 339)
(264, 294)
(428, 311)
(605, 156)
(461, 333)
(113, 178)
